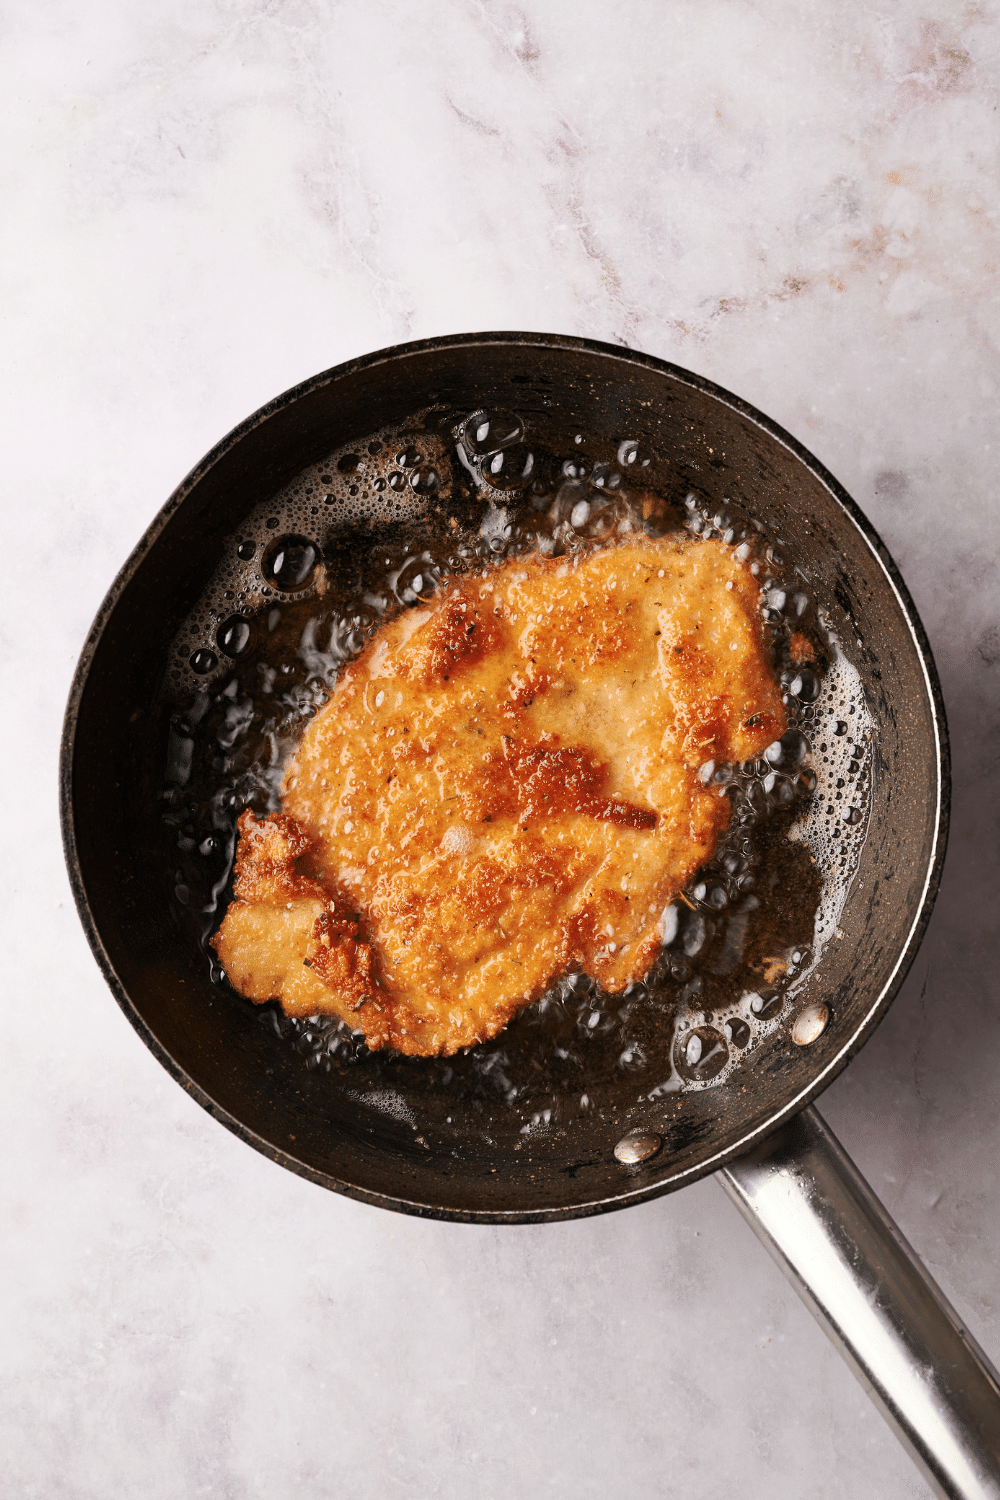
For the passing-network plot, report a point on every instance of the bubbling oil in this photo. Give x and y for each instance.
(371, 530)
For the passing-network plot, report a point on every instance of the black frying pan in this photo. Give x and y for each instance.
(471, 1161)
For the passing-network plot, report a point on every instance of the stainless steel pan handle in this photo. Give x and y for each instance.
(847, 1260)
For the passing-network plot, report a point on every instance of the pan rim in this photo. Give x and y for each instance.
(643, 1182)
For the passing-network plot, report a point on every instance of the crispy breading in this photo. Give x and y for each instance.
(504, 786)
(279, 912)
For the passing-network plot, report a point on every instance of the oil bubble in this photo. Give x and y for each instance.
(633, 1057)
(632, 455)
(204, 661)
(795, 747)
(767, 1005)
(415, 579)
(485, 431)
(700, 1054)
(288, 563)
(605, 478)
(510, 468)
(695, 933)
(424, 480)
(670, 925)
(233, 636)
(737, 1031)
(712, 895)
(804, 686)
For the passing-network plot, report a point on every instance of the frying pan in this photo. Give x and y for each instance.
(470, 1159)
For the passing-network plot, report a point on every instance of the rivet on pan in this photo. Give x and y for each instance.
(810, 1024)
(632, 1149)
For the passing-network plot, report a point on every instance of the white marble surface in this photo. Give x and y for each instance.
(206, 202)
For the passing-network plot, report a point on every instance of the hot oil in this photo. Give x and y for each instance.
(372, 530)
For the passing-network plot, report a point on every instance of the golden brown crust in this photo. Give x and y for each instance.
(800, 649)
(503, 786)
(267, 860)
(282, 921)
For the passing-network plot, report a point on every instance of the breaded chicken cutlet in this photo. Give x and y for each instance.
(503, 787)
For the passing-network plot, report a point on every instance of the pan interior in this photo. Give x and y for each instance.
(414, 1135)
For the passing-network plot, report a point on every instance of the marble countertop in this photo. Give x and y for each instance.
(205, 203)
